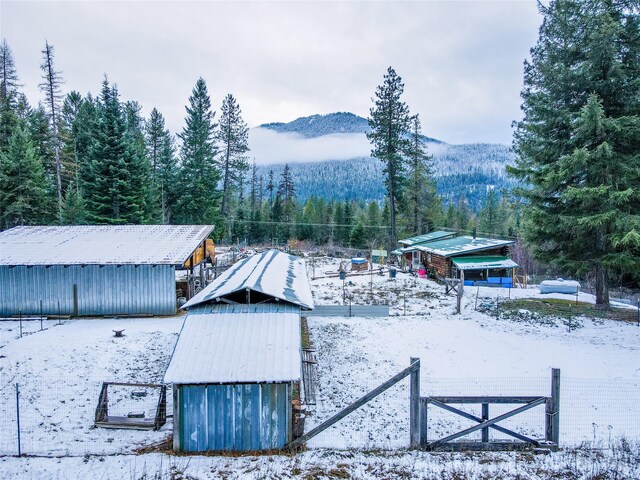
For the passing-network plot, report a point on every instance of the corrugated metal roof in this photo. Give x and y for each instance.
(427, 237)
(237, 348)
(101, 244)
(273, 273)
(483, 263)
(466, 244)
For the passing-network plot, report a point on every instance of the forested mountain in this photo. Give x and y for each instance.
(470, 170)
(319, 125)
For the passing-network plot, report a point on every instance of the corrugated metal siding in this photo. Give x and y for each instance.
(102, 290)
(223, 308)
(240, 417)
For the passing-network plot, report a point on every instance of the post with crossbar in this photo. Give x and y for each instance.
(414, 404)
(553, 409)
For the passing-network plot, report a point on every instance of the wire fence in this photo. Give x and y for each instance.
(593, 412)
(56, 417)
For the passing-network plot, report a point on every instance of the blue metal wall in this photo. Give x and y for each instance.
(239, 417)
(102, 290)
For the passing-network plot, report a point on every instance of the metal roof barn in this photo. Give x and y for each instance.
(233, 370)
(427, 237)
(462, 245)
(270, 275)
(94, 270)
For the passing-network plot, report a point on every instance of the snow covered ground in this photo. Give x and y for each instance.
(60, 369)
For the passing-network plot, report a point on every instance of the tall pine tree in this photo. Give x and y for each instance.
(161, 154)
(198, 176)
(51, 87)
(389, 125)
(578, 144)
(24, 196)
(114, 185)
(233, 137)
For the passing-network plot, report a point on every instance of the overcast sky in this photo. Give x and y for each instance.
(461, 61)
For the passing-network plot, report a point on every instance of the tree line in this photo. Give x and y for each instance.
(77, 159)
(94, 159)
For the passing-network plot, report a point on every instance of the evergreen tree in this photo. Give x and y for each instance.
(23, 185)
(271, 186)
(9, 82)
(253, 195)
(161, 154)
(578, 143)
(8, 94)
(114, 186)
(463, 215)
(389, 125)
(374, 219)
(358, 236)
(285, 206)
(50, 86)
(233, 135)
(140, 167)
(421, 191)
(489, 216)
(74, 208)
(198, 175)
(69, 142)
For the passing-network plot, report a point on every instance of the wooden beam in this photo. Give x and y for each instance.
(488, 399)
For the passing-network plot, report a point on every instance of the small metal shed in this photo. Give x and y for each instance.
(233, 370)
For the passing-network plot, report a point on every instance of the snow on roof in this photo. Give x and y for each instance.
(101, 244)
(262, 345)
(483, 263)
(465, 244)
(427, 237)
(273, 273)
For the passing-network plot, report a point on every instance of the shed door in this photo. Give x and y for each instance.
(234, 417)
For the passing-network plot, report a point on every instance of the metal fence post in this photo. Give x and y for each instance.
(18, 418)
(40, 314)
(20, 316)
(414, 404)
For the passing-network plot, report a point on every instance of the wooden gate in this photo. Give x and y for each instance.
(484, 423)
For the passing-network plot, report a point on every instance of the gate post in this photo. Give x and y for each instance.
(424, 421)
(414, 404)
(553, 409)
